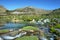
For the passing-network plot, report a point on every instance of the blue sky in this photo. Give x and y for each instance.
(44, 4)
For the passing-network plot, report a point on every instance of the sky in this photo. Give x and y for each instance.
(44, 4)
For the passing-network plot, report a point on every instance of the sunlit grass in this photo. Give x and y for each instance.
(27, 28)
(28, 38)
(4, 31)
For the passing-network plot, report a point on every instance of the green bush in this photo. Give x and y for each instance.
(53, 29)
(58, 26)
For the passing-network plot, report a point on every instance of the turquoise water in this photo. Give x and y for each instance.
(12, 26)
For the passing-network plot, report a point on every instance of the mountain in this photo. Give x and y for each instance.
(32, 10)
(2, 9)
(56, 11)
(28, 10)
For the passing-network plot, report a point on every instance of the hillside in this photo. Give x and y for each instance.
(2, 9)
(56, 11)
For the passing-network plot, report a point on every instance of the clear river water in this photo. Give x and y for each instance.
(18, 26)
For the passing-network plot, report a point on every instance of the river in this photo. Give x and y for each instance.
(18, 26)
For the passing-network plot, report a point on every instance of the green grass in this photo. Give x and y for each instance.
(57, 26)
(53, 29)
(4, 31)
(27, 28)
(27, 38)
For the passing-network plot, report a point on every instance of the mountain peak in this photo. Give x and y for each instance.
(30, 6)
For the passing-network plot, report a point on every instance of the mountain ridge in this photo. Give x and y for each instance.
(28, 10)
(32, 9)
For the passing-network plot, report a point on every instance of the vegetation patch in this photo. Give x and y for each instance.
(4, 31)
(27, 38)
(53, 29)
(58, 26)
(30, 28)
